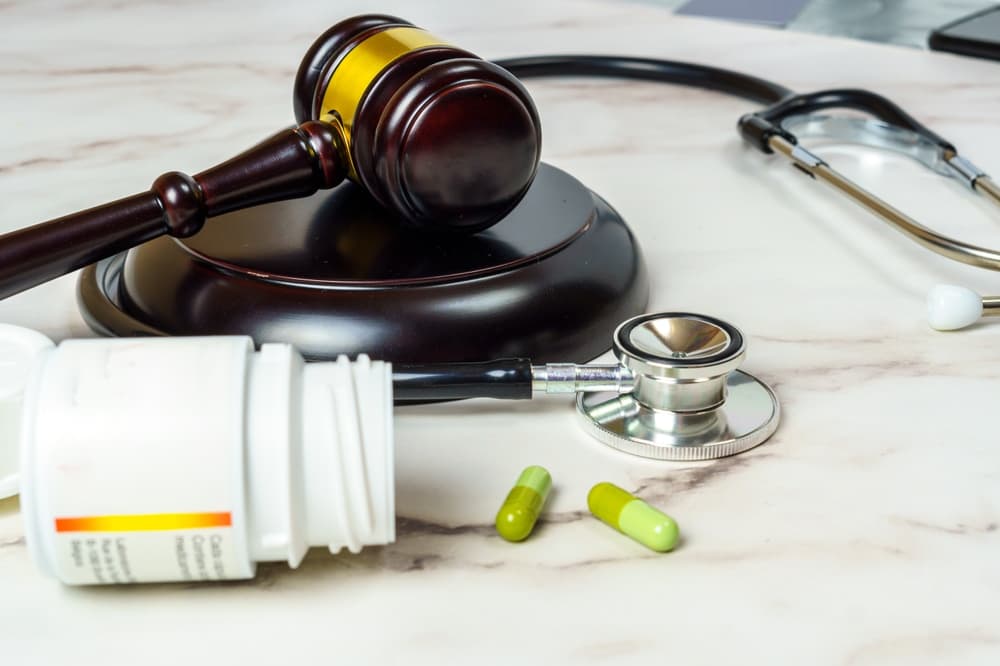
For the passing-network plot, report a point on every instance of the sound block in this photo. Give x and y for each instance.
(335, 274)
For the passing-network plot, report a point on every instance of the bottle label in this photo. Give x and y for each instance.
(140, 547)
(136, 456)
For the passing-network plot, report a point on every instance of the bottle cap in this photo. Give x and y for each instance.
(20, 350)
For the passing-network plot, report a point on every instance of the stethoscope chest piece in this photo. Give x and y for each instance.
(689, 401)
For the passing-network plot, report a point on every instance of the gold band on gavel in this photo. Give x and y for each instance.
(362, 65)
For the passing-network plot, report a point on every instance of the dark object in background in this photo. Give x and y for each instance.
(976, 35)
(776, 13)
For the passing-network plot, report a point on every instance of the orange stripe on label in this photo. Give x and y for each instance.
(144, 522)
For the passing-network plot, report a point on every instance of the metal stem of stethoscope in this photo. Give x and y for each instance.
(676, 393)
(563, 378)
(986, 185)
(932, 240)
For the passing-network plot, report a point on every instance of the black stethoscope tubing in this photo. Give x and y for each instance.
(649, 69)
(757, 127)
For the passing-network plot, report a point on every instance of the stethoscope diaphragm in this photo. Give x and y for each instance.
(688, 401)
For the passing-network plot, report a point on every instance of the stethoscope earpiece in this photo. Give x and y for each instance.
(951, 307)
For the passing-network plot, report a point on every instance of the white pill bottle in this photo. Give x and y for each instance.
(192, 459)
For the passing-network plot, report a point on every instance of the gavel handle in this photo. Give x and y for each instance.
(293, 163)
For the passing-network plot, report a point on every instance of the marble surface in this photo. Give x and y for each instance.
(865, 532)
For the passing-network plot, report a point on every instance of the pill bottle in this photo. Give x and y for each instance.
(192, 459)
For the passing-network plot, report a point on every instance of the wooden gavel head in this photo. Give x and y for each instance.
(442, 138)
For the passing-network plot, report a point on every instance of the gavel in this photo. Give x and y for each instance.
(442, 138)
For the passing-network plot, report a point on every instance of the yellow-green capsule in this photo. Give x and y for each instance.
(516, 518)
(631, 516)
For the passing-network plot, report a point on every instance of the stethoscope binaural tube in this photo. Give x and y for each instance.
(780, 127)
(776, 129)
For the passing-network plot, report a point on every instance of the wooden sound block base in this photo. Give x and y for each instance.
(334, 274)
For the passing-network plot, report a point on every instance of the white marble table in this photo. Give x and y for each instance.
(865, 532)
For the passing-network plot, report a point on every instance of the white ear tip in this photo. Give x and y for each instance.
(950, 307)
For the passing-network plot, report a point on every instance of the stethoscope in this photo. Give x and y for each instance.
(676, 393)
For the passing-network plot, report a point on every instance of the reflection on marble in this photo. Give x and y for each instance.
(864, 532)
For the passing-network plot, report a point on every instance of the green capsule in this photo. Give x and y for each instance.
(516, 518)
(631, 516)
